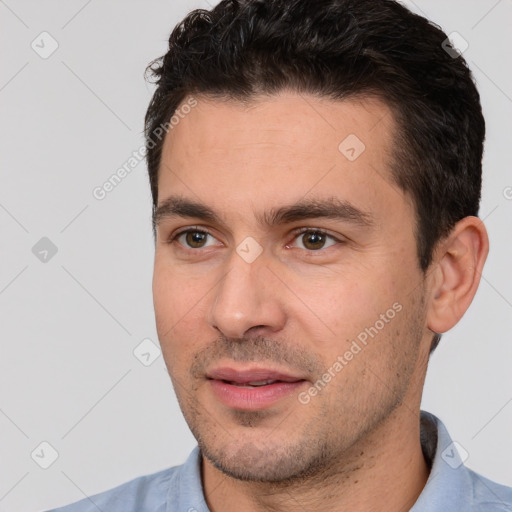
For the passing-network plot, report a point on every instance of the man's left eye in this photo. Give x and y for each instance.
(314, 240)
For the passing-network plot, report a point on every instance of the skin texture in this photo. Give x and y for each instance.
(355, 444)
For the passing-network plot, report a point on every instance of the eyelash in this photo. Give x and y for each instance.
(296, 234)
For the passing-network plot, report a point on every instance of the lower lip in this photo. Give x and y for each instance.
(253, 398)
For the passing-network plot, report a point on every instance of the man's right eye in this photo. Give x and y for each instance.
(193, 238)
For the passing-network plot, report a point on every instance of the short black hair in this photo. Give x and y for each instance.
(340, 49)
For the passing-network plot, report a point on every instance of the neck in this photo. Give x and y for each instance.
(385, 471)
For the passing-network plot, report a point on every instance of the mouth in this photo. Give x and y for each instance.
(252, 388)
(255, 384)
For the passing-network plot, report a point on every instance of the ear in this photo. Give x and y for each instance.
(457, 268)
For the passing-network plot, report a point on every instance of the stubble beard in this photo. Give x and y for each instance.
(313, 448)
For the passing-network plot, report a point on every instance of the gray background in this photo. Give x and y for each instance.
(70, 324)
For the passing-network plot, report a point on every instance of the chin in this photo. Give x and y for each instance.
(250, 463)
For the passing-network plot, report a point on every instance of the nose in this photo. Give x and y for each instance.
(247, 299)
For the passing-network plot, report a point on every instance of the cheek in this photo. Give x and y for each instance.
(345, 304)
(175, 291)
(171, 299)
(163, 299)
(357, 313)
(179, 305)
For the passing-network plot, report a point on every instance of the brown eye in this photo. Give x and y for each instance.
(313, 240)
(195, 239)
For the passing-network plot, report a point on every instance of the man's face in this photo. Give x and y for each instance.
(329, 306)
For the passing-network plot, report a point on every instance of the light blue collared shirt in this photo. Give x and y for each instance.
(451, 486)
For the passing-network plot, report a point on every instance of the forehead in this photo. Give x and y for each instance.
(278, 149)
(290, 116)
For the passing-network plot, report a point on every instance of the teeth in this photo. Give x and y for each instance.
(261, 382)
(253, 384)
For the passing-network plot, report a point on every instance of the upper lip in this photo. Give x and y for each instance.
(253, 374)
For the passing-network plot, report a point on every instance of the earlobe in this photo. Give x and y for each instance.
(458, 265)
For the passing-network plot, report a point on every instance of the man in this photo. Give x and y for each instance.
(316, 173)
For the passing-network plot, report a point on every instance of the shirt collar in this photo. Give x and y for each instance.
(449, 485)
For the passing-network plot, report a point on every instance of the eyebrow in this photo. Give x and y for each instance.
(314, 208)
